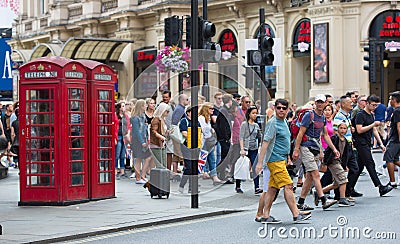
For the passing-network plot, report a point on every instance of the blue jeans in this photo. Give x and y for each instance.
(211, 164)
(120, 152)
(217, 150)
(252, 155)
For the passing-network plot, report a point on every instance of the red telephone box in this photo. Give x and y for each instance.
(101, 79)
(54, 125)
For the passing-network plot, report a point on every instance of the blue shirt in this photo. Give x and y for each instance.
(282, 142)
(178, 114)
(380, 112)
(314, 129)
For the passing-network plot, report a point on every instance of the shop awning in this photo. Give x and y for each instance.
(102, 50)
(46, 49)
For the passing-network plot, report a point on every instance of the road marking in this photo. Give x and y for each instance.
(155, 227)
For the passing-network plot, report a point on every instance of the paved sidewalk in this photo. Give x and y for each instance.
(132, 207)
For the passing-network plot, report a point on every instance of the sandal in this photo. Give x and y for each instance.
(299, 184)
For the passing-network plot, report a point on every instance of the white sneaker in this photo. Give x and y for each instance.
(140, 181)
(132, 175)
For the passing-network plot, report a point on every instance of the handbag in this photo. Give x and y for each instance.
(210, 142)
(176, 134)
(242, 170)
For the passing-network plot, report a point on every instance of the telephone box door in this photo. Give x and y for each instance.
(76, 175)
(102, 160)
(39, 161)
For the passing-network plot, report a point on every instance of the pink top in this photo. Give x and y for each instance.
(329, 127)
(239, 118)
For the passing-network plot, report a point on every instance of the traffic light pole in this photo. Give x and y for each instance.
(194, 101)
(206, 88)
(263, 86)
(180, 76)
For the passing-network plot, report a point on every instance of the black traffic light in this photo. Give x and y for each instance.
(371, 60)
(254, 57)
(265, 45)
(173, 31)
(211, 50)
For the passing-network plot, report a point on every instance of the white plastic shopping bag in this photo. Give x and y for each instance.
(242, 170)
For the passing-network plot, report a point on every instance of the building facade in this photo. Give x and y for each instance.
(321, 48)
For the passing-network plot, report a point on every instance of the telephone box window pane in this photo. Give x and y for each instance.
(77, 167)
(105, 177)
(104, 95)
(104, 166)
(104, 130)
(75, 93)
(38, 169)
(77, 155)
(104, 107)
(39, 119)
(105, 154)
(40, 131)
(44, 94)
(77, 179)
(76, 143)
(40, 180)
(40, 107)
(105, 142)
(76, 106)
(76, 130)
(105, 119)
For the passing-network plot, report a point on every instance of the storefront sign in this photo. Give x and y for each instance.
(392, 46)
(228, 41)
(386, 25)
(145, 55)
(302, 36)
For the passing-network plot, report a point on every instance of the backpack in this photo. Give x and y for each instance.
(296, 123)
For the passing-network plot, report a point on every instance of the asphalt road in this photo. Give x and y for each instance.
(373, 219)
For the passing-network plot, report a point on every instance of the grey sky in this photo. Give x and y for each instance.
(7, 17)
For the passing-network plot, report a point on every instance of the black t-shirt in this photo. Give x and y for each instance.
(364, 119)
(394, 135)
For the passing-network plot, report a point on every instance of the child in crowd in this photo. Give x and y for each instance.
(337, 165)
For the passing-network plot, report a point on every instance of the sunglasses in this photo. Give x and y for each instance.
(247, 102)
(281, 107)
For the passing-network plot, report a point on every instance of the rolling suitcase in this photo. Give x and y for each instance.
(159, 183)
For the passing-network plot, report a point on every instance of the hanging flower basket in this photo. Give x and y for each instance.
(174, 59)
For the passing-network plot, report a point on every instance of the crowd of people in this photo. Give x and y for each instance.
(334, 137)
(9, 128)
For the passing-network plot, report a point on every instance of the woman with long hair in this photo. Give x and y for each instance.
(328, 112)
(249, 134)
(121, 129)
(159, 134)
(206, 110)
(140, 148)
(149, 113)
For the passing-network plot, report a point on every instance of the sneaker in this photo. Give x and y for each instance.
(132, 175)
(304, 207)
(258, 191)
(351, 199)
(301, 217)
(124, 176)
(316, 198)
(383, 190)
(270, 220)
(345, 203)
(118, 176)
(328, 204)
(141, 181)
(238, 190)
(356, 194)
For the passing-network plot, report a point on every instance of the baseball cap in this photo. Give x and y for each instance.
(236, 95)
(320, 97)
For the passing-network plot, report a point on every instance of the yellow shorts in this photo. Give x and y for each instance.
(279, 175)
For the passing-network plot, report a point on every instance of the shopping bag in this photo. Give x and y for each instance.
(242, 170)
(176, 134)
